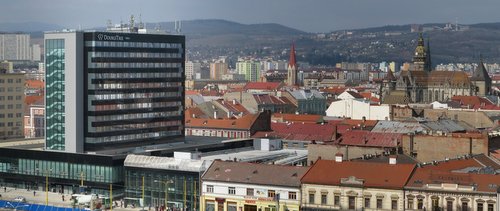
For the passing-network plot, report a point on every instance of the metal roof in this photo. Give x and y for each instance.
(166, 163)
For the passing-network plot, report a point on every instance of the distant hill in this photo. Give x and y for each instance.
(212, 27)
(28, 27)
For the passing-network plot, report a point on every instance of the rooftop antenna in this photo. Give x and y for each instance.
(109, 24)
(176, 25)
(132, 21)
(121, 24)
(157, 27)
(141, 24)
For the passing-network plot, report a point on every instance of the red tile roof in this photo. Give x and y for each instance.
(36, 84)
(233, 106)
(471, 101)
(333, 90)
(359, 122)
(309, 118)
(267, 99)
(368, 96)
(496, 154)
(374, 175)
(445, 172)
(31, 99)
(197, 112)
(355, 94)
(191, 92)
(369, 139)
(299, 132)
(243, 123)
(270, 86)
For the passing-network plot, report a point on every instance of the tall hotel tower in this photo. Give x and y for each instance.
(111, 90)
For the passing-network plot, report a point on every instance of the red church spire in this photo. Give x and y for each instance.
(292, 61)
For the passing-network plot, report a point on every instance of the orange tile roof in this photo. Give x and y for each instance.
(356, 122)
(263, 85)
(443, 173)
(30, 99)
(243, 123)
(197, 112)
(329, 172)
(191, 92)
(37, 84)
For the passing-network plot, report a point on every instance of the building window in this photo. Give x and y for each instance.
(394, 204)
(420, 203)
(410, 204)
(210, 188)
(323, 198)
(352, 202)
(292, 195)
(379, 203)
(210, 205)
(490, 207)
(231, 206)
(336, 200)
(271, 193)
(435, 204)
(465, 206)
(311, 198)
(232, 191)
(479, 206)
(449, 205)
(249, 191)
(367, 202)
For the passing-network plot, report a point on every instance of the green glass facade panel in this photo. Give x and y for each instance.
(54, 79)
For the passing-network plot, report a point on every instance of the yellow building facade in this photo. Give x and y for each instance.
(236, 186)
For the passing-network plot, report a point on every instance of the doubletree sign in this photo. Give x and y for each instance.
(110, 37)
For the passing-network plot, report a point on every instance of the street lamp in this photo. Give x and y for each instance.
(47, 186)
(166, 190)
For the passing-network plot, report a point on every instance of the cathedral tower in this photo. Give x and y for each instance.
(421, 59)
(292, 68)
(481, 80)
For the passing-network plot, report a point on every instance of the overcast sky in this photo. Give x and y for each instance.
(307, 15)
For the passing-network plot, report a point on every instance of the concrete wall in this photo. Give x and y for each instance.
(357, 110)
(429, 148)
(477, 119)
(327, 152)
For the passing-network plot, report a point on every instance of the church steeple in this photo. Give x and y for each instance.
(421, 59)
(481, 80)
(292, 68)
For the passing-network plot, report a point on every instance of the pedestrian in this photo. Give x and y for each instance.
(34, 193)
(63, 197)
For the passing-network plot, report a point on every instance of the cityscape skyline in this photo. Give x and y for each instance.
(327, 15)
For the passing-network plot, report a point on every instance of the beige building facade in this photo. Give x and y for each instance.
(11, 105)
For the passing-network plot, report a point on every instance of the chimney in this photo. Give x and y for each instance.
(338, 157)
(234, 101)
(215, 114)
(393, 160)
